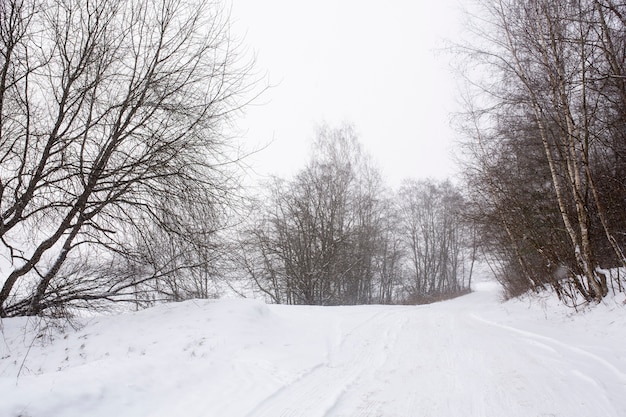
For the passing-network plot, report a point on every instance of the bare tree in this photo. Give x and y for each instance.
(433, 234)
(111, 115)
(391, 254)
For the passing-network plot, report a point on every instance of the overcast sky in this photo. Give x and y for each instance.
(372, 64)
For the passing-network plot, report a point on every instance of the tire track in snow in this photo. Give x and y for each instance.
(551, 343)
(601, 380)
(321, 391)
(359, 399)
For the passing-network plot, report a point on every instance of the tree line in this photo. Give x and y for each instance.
(118, 181)
(546, 143)
(335, 234)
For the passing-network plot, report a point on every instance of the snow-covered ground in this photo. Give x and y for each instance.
(472, 356)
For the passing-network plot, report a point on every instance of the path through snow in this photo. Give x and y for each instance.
(466, 357)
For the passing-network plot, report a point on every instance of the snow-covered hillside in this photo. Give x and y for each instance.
(232, 358)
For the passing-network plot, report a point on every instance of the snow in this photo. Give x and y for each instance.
(472, 356)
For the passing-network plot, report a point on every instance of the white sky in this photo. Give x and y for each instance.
(372, 64)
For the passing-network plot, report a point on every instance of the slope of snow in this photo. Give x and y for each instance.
(232, 358)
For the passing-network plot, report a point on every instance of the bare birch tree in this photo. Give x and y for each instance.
(553, 68)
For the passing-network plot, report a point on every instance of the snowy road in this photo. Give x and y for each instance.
(448, 360)
(467, 357)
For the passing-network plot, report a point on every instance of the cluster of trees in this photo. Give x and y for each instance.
(113, 163)
(116, 180)
(547, 143)
(335, 234)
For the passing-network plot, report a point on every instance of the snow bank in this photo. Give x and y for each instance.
(134, 364)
